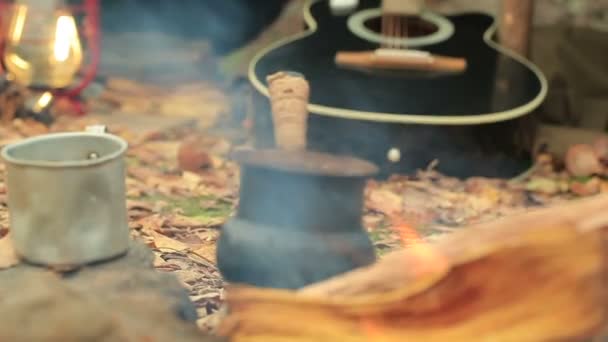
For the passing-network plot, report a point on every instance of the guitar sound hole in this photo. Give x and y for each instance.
(409, 26)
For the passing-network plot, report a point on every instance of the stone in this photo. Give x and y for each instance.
(125, 299)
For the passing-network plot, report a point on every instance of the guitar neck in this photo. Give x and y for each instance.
(402, 7)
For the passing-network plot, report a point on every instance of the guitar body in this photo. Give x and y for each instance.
(422, 114)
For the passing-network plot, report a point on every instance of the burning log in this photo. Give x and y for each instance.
(539, 276)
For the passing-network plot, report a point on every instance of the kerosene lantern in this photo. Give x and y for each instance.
(43, 47)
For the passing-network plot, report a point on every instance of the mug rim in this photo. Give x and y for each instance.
(5, 154)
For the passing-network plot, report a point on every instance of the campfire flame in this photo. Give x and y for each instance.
(428, 261)
(429, 258)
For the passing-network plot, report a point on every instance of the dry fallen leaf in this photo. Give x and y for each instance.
(588, 188)
(385, 201)
(191, 179)
(29, 127)
(207, 251)
(8, 256)
(158, 261)
(131, 204)
(162, 241)
(543, 185)
(152, 223)
(180, 221)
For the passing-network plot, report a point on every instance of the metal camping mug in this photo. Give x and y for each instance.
(66, 197)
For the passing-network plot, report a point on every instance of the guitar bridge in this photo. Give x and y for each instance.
(404, 53)
(397, 59)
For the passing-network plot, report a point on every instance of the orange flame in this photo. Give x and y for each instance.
(428, 261)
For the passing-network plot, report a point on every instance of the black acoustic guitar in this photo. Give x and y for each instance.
(422, 68)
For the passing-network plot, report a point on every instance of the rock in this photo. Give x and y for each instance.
(121, 300)
(600, 146)
(582, 161)
(197, 152)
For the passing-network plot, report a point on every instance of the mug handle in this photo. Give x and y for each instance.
(96, 129)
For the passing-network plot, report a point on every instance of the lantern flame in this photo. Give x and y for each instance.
(66, 39)
(43, 46)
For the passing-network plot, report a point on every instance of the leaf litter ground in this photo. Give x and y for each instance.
(179, 214)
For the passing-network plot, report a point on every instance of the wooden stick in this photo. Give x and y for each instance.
(289, 96)
(539, 276)
(516, 24)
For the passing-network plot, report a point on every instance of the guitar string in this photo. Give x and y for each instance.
(384, 23)
(393, 28)
(397, 30)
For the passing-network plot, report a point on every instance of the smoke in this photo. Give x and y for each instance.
(486, 150)
(227, 25)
